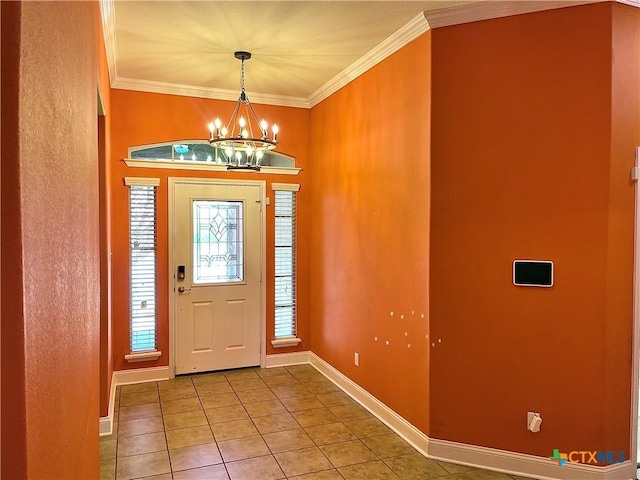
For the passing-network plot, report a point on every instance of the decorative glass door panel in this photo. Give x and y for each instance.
(218, 250)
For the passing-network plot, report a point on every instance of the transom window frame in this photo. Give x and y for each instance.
(187, 164)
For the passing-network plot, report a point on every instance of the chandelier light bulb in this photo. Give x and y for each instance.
(259, 155)
(181, 157)
(218, 123)
(228, 152)
(249, 152)
(238, 157)
(275, 131)
(209, 158)
(193, 157)
(211, 127)
(242, 122)
(224, 131)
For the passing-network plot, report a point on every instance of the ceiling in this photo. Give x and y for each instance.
(302, 50)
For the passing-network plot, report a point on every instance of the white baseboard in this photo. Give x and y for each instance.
(406, 430)
(480, 457)
(129, 377)
(285, 359)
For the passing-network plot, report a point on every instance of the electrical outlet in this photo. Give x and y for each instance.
(534, 420)
(356, 359)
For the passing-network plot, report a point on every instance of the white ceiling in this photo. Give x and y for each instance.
(302, 50)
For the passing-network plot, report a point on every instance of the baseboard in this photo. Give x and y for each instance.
(128, 377)
(480, 457)
(526, 465)
(106, 423)
(285, 359)
(141, 375)
(395, 422)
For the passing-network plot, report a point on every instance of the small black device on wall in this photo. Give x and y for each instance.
(533, 273)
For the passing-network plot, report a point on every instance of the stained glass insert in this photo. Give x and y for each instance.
(218, 250)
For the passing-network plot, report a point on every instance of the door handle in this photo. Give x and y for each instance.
(183, 290)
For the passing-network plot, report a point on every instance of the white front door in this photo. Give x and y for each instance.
(218, 250)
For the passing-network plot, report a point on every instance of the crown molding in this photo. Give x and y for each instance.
(205, 92)
(395, 42)
(470, 12)
(478, 11)
(107, 14)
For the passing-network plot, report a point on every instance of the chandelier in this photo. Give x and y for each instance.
(244, 139)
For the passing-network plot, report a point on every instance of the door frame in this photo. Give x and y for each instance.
(635, 367)
(172, 182)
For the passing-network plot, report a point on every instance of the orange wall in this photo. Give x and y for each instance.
(370, 230)
(104, 150)
(50, 338)
(144, 118)
(527, 164)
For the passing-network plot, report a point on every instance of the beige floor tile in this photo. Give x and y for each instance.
(213, 472)
(415, 467)
(162, 476)
(287, 440)
(177, 382)
(177, 393)
(262, 409)
(244, 384)
(368, 471)
(297, 404)
(302, 368)
(236, 429)
(263, 468)
(203, 378)
(280, 381)
(139, 411)
(108, 469)
(385, 446)
(257, 395)
(272, 372)
(305, 377)
(108, 448)
(275, 423)
(454, 468)
(330, 433)
(186, 437)
(139, 444)
(139, 398)
(349, 412)
(477, 474)
(324, 475)
(226, 414)
(242, 448)
(367, 427)
(242, 374)
(185, 420)
(140, 426)
(138, 387)
(317, 416)
(348, 453)
(288, 391)
(322, 387)
(219, 400)
(195, 456)
(299, 462)
(332, 399)
(145, 465)
(180, 406)
(207, 389)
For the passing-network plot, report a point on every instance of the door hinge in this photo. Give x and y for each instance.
(634, 173)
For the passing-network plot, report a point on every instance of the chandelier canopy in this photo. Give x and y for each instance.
(244, 139)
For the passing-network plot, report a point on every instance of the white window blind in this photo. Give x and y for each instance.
(285, 264)
(142, 248)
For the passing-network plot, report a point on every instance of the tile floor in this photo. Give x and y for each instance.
(258, 424)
